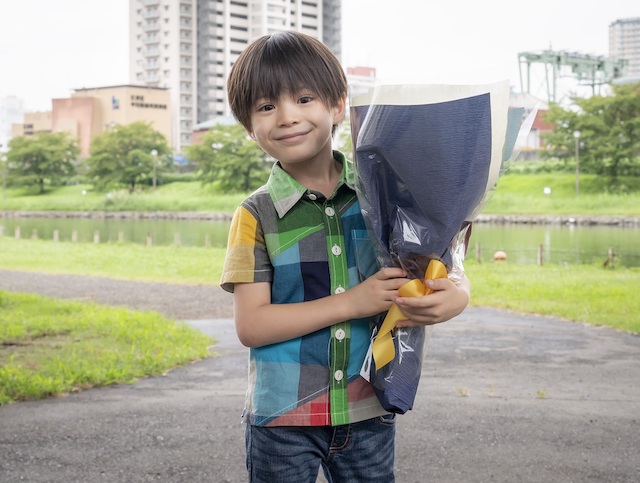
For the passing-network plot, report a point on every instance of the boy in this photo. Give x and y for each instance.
(299, 303)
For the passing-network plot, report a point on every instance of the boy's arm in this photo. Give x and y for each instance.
(259, 322)
(447, 301)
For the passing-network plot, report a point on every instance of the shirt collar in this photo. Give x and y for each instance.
(285, 191)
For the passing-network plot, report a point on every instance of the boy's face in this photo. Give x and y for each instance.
(297, 128)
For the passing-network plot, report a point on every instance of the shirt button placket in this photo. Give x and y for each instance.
(340, 344)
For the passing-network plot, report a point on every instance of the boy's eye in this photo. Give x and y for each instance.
(305, 99)
(265, 107)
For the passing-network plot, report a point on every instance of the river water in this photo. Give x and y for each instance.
(564, 244)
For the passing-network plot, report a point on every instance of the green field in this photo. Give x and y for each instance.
(177, 196)
(516, 193)
(524, 194)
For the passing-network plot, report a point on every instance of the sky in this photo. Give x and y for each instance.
(48, 48)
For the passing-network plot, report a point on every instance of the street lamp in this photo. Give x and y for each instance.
(576, 135)
(154, 153)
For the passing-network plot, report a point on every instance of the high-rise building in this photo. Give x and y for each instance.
(189, 46)
(624, 43)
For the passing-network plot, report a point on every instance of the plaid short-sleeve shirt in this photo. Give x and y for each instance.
(307, 246)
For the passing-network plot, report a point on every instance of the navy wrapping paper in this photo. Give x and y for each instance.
(426, 159)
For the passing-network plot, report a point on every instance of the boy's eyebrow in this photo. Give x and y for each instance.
(262, 100)
(303, 91)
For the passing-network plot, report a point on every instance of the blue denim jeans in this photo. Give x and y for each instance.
(359, 452)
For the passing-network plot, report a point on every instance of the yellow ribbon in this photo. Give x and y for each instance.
(382, 348)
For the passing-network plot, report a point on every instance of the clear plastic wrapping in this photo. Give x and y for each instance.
(427, 159)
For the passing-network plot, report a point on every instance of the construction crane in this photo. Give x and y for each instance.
(589, 70)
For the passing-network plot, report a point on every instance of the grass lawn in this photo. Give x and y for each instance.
(516, 193)
(50, 347)
(581, 293)
(170, 264)
(524, 194)
(177, 196)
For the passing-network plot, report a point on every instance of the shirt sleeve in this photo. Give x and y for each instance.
(247, 259)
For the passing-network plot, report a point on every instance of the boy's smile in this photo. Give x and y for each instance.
(294, 137)
(295, 129)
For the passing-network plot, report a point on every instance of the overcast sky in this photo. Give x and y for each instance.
(50, 47)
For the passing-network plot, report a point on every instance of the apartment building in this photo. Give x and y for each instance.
(189, 46)
(624, 43)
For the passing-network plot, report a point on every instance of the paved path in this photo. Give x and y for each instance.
(503, 398)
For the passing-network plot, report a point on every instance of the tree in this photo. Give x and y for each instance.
(123, 156)
(609, 128)
(231, 158)
(342, 139)
(41, 159)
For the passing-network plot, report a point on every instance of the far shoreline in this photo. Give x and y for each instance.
(498, 219)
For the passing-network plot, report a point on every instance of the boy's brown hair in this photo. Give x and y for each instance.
(283, 63)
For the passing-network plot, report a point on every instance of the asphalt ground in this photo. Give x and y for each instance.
(504, 397)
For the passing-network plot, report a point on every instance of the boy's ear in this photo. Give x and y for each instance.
(339, 110)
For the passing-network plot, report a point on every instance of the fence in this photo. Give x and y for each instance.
(96, 237)
(500, 256)
(609, 260)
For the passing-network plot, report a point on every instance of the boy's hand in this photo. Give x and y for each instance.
(446, 301)
(377, 293)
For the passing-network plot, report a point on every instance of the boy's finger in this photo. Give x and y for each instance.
(439, 283)
(392, 272)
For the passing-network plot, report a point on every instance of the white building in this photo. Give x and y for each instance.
(624, 43)
(189, 46)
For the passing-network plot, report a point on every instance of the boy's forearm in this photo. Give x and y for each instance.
(269, 323)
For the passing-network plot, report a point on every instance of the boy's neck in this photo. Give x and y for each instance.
(319, 175)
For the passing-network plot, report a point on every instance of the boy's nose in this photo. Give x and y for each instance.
(288, 114)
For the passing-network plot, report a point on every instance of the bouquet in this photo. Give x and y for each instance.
(427, 159)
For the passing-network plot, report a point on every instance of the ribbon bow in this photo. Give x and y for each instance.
(383, 348)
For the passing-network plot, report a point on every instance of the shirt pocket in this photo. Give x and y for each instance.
(364, 253)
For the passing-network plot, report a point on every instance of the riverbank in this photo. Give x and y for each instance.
(591, 220)
(121, 215)
(568, 219)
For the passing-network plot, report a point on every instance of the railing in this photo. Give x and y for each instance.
(609, 259)
(177, 241)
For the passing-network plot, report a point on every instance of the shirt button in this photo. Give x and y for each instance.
(338, 375)
(340, 333)
(329, 211)
(339, 290)
(312, 197)
(336, 250)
